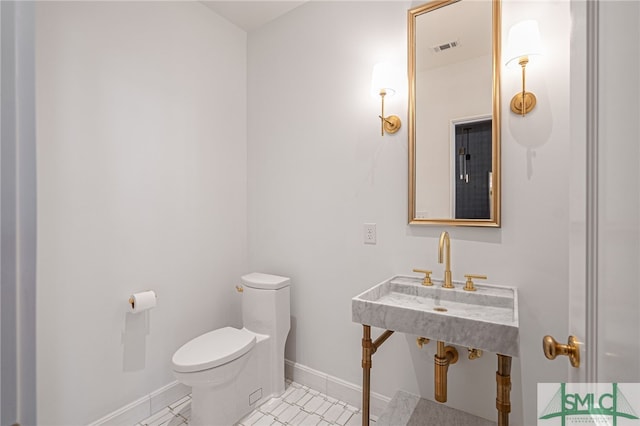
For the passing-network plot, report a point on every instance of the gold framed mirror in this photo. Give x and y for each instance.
(454, 113)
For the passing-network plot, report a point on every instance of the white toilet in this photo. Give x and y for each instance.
(232, 371)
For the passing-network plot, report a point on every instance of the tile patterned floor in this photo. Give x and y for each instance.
(298, 405)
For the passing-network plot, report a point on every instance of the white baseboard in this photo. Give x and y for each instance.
(146, 406)
(333, 387)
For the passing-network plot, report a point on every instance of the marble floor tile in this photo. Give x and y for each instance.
(314, 403)
(298, 405)
(269, 406)
(333, 413)
(251, 419)
(295, 396)
(323, 407)
(288, 414)
(344, 417)
(265, 420)
(161, 418)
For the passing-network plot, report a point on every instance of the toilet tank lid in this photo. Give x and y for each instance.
(265, 281)
(213, 349)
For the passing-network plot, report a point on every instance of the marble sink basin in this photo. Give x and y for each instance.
(485, 319)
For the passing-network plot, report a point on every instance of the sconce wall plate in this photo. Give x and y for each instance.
(523, 101)
(392, 124)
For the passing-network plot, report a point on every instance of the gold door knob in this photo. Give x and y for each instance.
(552, 349)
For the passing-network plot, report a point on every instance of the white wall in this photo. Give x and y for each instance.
(318, 169)
(141, 118)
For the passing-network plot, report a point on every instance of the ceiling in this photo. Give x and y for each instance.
(250, 15)
(466, 23)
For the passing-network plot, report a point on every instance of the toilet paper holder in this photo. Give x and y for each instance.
(142, 301)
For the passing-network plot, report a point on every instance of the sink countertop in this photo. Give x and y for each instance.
(486, 319)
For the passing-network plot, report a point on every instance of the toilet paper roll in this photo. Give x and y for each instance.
(145, 300)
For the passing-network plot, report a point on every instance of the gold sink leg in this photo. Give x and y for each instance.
(368, 349)
(366, 373)
(503, 398)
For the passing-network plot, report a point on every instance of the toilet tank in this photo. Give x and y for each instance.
(266, 304)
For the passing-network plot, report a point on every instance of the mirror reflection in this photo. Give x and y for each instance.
(453, 113)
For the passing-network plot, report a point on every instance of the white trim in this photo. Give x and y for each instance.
(130, 413)
(146, 406)
(578, 187)
(592, 192)
(334, 387)
(1, 120)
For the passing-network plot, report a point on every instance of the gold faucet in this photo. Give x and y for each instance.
(445, 242)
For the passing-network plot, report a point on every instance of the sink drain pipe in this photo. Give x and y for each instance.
(444, 356)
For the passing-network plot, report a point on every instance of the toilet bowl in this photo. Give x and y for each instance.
(232, 371)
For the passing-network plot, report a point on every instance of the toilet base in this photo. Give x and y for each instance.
(225, 403)
(205, 412)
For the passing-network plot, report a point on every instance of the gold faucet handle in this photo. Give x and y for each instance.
(475, 353)
(469, 284)
(421, 341)
(427, 276)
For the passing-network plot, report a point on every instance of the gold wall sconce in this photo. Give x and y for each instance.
(523, 43)
(384, 80)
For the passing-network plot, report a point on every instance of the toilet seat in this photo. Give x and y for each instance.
(213, 349)
(265, 281)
